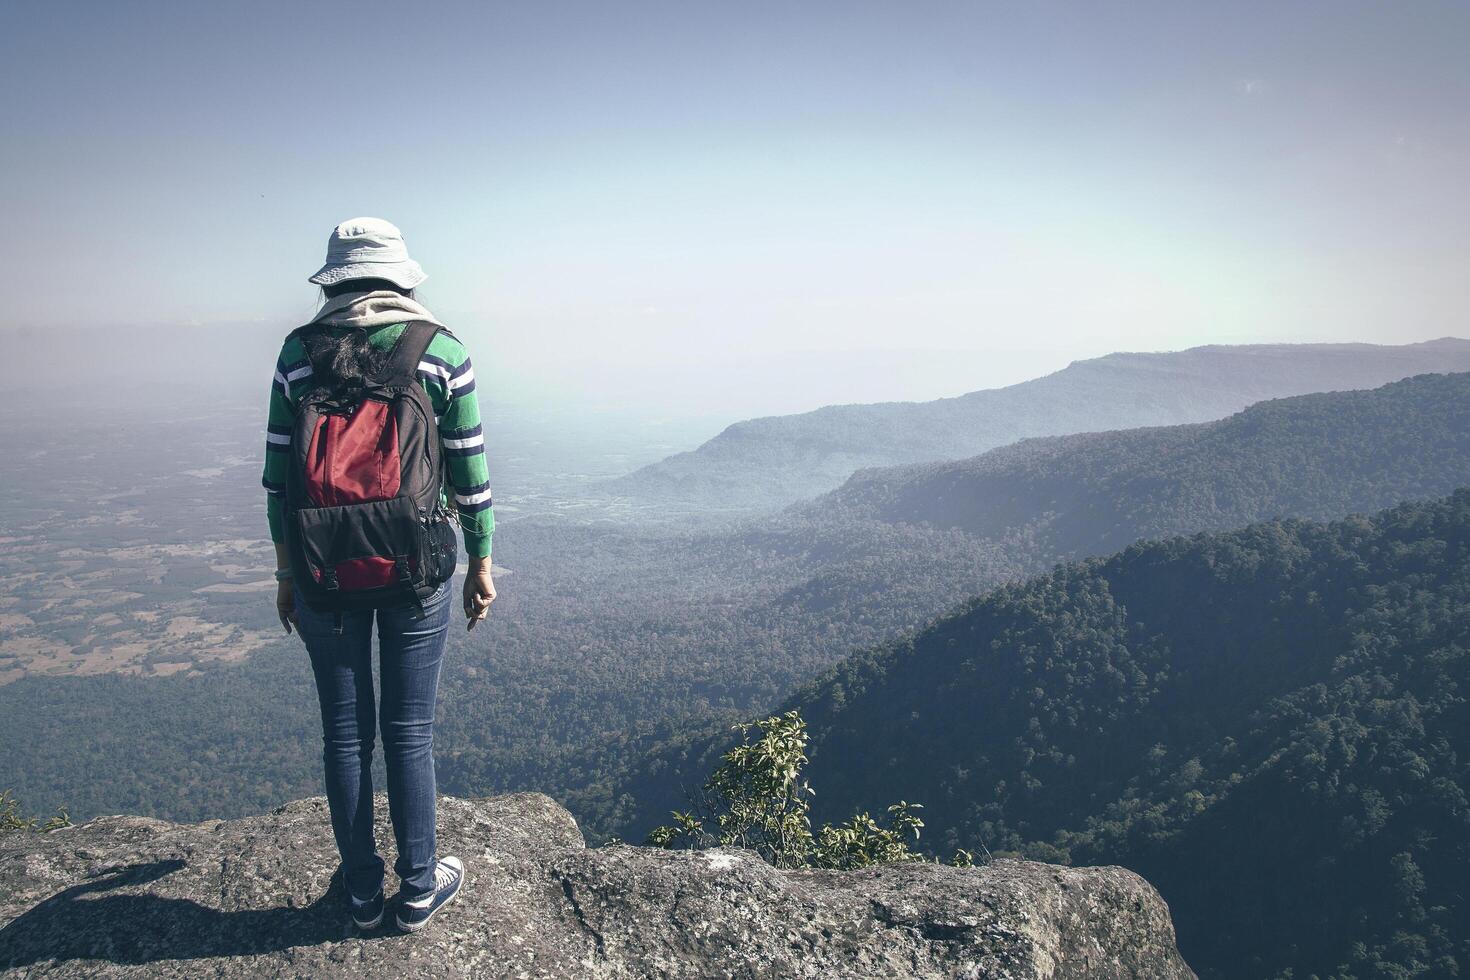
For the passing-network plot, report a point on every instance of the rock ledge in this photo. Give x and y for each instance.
(255, 897)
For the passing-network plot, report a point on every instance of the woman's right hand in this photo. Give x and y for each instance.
(286, 603)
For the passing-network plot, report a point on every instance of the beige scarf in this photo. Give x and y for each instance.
(372, 309)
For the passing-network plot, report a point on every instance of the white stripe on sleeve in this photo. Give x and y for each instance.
(474, 498)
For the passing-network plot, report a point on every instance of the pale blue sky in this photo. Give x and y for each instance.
(701, 195)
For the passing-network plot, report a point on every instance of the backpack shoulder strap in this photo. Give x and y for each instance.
(409, 351)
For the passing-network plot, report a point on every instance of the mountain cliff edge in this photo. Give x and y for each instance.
(258, 897)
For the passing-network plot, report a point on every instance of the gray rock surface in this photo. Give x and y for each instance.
(256, 898)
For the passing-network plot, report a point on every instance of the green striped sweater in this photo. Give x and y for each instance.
(449, 380)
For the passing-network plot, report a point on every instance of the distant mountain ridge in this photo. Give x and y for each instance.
(1317, 456)
(768, 462)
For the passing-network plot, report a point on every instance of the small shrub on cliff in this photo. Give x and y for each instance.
(12, 820)
(757, 800)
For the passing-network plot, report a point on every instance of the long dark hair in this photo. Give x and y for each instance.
(341, 355)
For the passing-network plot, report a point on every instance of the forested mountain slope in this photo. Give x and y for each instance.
(767, 462)
(1271, 725)
(861, 565)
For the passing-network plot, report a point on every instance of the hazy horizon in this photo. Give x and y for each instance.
(688, 407)
(722, 213)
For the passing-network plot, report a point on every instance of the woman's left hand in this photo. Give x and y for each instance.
(479, 591)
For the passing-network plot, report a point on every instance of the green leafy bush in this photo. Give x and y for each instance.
(12, 820)
(758, 800)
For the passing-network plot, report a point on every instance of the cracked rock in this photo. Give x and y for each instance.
(257, 897)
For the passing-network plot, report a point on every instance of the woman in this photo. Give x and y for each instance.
(368, 282)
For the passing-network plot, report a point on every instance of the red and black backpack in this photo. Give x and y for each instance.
(364, 522)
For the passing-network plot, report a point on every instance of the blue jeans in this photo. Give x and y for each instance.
(410, 651)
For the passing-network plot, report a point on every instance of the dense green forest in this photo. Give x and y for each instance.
(1271, 725)
(612, 642)
(765, 463)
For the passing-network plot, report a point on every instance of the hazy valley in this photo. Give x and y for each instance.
(629, 635)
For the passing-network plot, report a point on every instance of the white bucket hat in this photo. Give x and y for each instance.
(368, 248)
